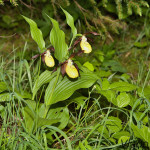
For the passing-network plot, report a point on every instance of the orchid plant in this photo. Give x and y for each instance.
(60, 87)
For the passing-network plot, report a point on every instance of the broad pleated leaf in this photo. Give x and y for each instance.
(70, 22)
(143, 133)
(123, 139)
(113, 124)
(5, 97)
(117, 135)
(33, 119)
(66, 87)
(60, 113)
(45, 77)
(36, 33)
(123, 100)
(57, 111)
(122, 86)
(57, 39)
(3, 86)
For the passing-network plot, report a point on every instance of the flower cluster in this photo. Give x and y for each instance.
(68, 67)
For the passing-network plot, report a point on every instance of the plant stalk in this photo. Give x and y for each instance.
(47, 107)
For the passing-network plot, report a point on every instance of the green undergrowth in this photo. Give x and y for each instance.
(107, 107)
(113, 113)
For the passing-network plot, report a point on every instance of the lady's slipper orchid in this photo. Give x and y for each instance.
(70, 69)
(49, 60)
(85, 46)
(46, 57)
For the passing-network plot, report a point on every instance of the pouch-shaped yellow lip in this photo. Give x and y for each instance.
(49, 60)
(71, 70)
(85, 46)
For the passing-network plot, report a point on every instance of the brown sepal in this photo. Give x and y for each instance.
(94, 33)
(43, 58)
(75, 43)
(62, 63)
(76, 66)
(80, 52)
(54, 70)
(63, 69)
(35, 56)
(90, 39)
(72, 55)
(76, 54)
(52, 49)
(43, 53)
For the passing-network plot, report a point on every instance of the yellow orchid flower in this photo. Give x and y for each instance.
(49, 60)
(85, 46)
(71, 70)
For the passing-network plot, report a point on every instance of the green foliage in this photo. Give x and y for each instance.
(93, 14)
(89, 66)
(123, 99)
(44, 78)
(41, 109)
(58, 43)
(36, 34)
(70, 22)
(59, 88)
(142, 133)
(65, 87)
(109, 91)
(13, 2)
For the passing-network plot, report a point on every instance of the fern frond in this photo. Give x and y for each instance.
(144, 3)
(67, 2)
(93, 2)
(129, 9)
(119, 8)
(1, 2)
(104, 2)
(14, 2)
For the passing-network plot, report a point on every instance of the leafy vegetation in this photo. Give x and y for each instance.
(72, 92)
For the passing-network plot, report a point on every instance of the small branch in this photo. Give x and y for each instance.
(8, 36)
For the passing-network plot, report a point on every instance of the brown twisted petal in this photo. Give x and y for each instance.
(63, 69)
(51, 48)
(35, 56)
(76, 54)
(75, 44)
(94, 33)
(77, 41)
(54, 70)
(43, 58)
(76, 66)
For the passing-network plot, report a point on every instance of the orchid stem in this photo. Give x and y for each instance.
(48, 106)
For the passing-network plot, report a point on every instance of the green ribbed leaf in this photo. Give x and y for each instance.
(122, 86)
(143, 133)
(3, 86)
(5, 97)
(123, 139)
(60, 113)
(57, 38)
(45, 77)
(70, 22)
(123, 100)
(36, 33)
(113, 124)
(66, 87)
(33, 119)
